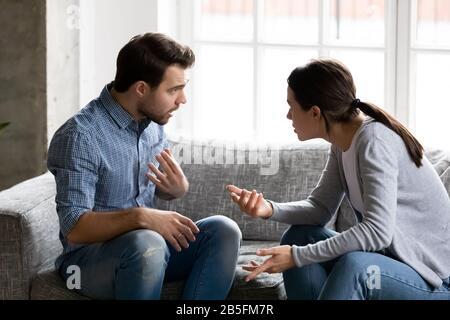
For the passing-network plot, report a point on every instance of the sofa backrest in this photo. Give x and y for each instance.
(282, 174)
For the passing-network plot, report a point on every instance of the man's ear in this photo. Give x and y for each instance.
(141, 88)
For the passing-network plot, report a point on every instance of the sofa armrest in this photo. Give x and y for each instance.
(29, 231)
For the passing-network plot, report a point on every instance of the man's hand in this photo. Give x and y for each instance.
(177, 229)
(281, 260)
(251, 203)
(172, 180)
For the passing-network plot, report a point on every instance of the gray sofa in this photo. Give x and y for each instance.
(29, 227)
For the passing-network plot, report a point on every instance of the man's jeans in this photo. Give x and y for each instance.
(135, 264)
(356, 275)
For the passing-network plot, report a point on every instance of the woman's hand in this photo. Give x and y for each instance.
(281, 260)
(251, 203)
(172, 180)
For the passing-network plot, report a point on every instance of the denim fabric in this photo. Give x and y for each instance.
(355, 275)
(136, 264)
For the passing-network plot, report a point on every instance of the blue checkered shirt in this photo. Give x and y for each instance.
(99, 159)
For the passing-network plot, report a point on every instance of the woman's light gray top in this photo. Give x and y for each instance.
(406, 209)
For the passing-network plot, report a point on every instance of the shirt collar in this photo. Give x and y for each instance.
(117, 112)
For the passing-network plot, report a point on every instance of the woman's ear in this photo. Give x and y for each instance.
(316, 113)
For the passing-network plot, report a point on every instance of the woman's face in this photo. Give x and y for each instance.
(306, 123)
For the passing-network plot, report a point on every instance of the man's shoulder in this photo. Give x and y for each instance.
(84, 123)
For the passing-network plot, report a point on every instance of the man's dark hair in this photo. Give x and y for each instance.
(146, 58)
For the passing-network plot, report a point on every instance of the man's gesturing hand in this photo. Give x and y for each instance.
(172, 180)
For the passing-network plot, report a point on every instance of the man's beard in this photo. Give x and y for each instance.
(161, 120)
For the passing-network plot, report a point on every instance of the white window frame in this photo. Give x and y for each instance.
(413, 50)
(398, 47)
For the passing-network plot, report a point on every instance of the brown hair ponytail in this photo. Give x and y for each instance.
(414, 147)
(329, 85)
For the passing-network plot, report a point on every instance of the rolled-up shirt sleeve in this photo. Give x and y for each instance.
(74, 163)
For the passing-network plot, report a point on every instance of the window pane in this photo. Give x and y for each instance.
(357, 21)
(367, 69)
(224, 93)
(224, 20)
(277, 64)
(433, 22)
(432, 96)
(290, 21)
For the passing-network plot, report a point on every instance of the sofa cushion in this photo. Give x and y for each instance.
(440, 159)
(48, 285)
(265, 286)
(445, 177)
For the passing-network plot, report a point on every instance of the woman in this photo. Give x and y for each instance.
(400, 249)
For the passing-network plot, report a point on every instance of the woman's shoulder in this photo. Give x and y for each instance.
(373, 131)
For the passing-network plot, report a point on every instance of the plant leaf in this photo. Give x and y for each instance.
(4, 125)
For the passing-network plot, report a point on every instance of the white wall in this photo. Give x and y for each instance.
(62, 62)
(105, 27)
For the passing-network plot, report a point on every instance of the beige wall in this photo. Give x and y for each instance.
(38, 92)
(48, 51)
(22, 90)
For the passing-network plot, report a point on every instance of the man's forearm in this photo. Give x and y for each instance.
(103, 226)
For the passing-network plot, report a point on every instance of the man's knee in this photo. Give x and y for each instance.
(222, 227)
(146, 246)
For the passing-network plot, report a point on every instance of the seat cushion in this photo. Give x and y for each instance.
(48, 285)
(265, 286)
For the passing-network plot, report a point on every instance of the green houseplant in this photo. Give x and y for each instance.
(3, 125)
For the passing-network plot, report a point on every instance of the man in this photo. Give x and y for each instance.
(109, 161)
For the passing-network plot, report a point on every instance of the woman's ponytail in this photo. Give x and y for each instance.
(328, 84)
(414, 147)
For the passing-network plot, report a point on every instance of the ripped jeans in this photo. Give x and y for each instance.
(136, 264)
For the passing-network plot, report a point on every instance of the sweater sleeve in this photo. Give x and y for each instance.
(321, 205)
(378, 168)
